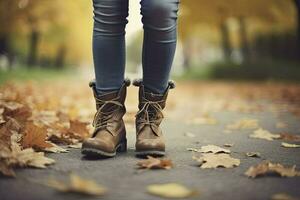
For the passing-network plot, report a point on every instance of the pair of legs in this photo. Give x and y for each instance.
(159, 18)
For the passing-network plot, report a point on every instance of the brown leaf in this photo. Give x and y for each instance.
(77, 184)
(16, 157)
(171, 190)
(266, 168)
(264, 134)
(35, 137)
(7, 129)
(1, 116)
(290, 137)
(211, 160)
(20, 113)
(155, 163)
(79, 128)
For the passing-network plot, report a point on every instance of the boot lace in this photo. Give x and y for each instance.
(151, 112)
(101, 118)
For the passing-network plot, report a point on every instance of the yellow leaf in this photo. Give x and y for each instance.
(170, 190)
(77, 184)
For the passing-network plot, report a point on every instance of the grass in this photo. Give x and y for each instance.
(279, 71)
(38, 74)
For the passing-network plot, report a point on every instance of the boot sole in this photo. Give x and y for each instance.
(150, 153)
(122, 147)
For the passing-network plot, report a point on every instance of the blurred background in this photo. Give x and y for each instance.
(232, 39)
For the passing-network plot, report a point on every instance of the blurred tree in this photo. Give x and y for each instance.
(297, 3)
(252, 17)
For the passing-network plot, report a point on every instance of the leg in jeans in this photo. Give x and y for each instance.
(110, 19)
(159, 19)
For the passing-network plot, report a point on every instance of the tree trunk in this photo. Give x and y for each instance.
(297, 3)
(33, 47)
(244, 40)
(60, 57)
(225, 41)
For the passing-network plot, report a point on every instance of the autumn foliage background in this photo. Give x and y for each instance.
(217, 39)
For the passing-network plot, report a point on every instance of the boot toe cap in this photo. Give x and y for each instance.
(97, 144)
(150, 145)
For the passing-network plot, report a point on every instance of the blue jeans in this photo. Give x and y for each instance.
(159, 18)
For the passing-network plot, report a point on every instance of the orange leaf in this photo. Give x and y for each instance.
(35, 137)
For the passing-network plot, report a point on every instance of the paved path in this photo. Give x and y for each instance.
(119, 174)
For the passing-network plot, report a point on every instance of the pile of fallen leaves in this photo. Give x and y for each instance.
(27, 131)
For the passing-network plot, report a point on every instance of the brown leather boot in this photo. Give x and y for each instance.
(149, 138)
(109, 135)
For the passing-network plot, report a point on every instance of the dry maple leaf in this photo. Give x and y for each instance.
(243, 124)
(266, 167)
(171, 190)
(77, 184)
(35, 137)
(21, 114)
(264, 134)
(288, 145)
(79, 128)
(205, 119)
(14, 156)
(290, 137)
(155, 163)
(44, 118)
(213, 149)
(7, 129)
(211, 160)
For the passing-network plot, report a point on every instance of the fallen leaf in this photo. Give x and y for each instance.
(35, 137)
(193, 149)
(210, 160)
(44, 118)
(268, 168)
(77, 184)
(56, 149)
(283, 196)
(1, 116)
(288, 145)
(7, 129)
(17, 111)
(155, 163)
(243, 124)
(14, 156)
(79, 128)
(264, 134)
(170, 190)
(189, 134)
(213, 149)
(253, 154)
(228, 145)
